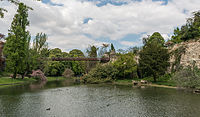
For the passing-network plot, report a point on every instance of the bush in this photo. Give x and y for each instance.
(39, 75)
(187, 77)
(68, 73)
(102, 72)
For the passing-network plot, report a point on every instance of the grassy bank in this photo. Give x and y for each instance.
(4, 81)
(165, 84)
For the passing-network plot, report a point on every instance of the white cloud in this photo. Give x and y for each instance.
(64, 24)
(130, 44)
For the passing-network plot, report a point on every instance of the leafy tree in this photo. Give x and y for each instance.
(17, 43)
(16, 2)
(102, 72)
(191, 30)
(103, 50)
(40, 42)
(126, 65)
(134, 50)
(154, 57)
(92, 52)
(77, 66)
(39, 51)
(67, 64)
(154, 38)
(188, 77)
(55, 68)
(112, 47)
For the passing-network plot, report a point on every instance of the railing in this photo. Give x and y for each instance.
(103, 60)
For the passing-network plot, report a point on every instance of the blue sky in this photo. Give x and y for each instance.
(72, 24)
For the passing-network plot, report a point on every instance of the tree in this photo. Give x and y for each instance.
(92, 52)
(126, 65)
(154, 57)
(17, 43)
(134, 50)
(39, 52)
(40, 42)
(16, 2)
(77, 66)
(112, 47)
(191, 30)
(55, 68)
(103, 50)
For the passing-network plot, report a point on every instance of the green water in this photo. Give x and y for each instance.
(63, 99)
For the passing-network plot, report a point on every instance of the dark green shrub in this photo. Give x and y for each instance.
(187, 77)
(102, 72)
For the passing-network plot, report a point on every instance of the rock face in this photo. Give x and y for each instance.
(189, 53)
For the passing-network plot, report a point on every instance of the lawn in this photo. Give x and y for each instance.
(10, 81)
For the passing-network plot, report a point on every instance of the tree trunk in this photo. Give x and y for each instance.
(22, 76)
(154, 78)
(14, 75)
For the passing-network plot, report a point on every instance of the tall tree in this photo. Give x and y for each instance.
(154, 57)
(55, 68)
(16, 2)
(103, 50)
(77, 66)
(92, 52)
(112, 47)
(126, 65)
(17, 42)
(39, 52)
(191, 30)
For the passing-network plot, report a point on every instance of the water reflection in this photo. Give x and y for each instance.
(38, 85)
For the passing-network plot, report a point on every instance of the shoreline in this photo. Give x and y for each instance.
(152, 85)
(7, 82)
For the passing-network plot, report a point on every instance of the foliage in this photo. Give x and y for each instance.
(102, 72)
(39, 75)
(68, 73)
(154, 57)
(55, 68)
(38, 53)
(112, 48)
(17, 43)
(177, 54)
(92, 52)
(40, 42)
(126, 65)
(103, 50)
(188, 77)
(16, 2)
(135, 50)
(191, 30)
(78, 67)
(154, 38)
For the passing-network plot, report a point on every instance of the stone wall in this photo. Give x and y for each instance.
(191, 53)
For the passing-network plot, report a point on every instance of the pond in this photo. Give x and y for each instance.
(64, 99)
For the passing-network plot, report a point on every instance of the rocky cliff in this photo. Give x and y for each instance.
(185, 53)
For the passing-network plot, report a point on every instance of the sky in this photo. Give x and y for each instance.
(72, 24)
